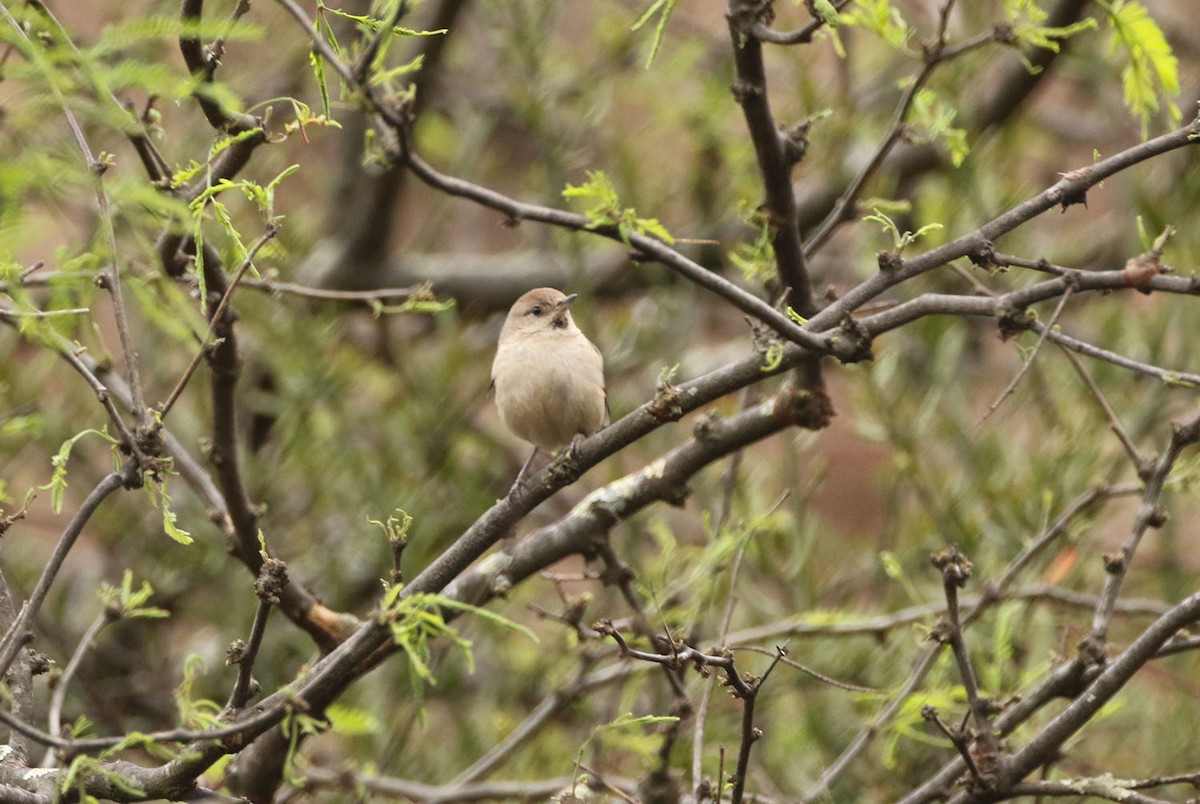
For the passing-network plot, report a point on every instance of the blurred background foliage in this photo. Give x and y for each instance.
(348, 416)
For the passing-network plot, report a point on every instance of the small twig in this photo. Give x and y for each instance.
(37, 266)
(216, 318)
(956, 569)
(1179, 645)
(720, 773)
(582, 682)
(956, 738)
(245, 654)
(750, 732)
(604, 785)
(1150, 514)
(272, 580)
(306, 291)
(723, 632)
(1042, 266)
(539, 790)
(217, 48)
(819, 676)
(1107, 789)
(14, 638)
(844, 208)
(761, 31)
(1114, 424)
(363, 67)
(54, 716)
(1012, 386)
(1088, 350)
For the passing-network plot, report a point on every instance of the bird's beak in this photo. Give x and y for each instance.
(562, 310)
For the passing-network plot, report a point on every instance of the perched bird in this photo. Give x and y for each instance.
(549, 378)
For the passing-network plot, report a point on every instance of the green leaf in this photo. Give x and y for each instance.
(194, 713)
(900, 241)
(157, 489)
(352, 721)
(1152, 73)
(879, 17)
(1025, 18)
(756, 260)
(663, 8)
(773, 357)
(827, 13)
(58, 481)
(932, 120)
(606, 209)
(130, 602)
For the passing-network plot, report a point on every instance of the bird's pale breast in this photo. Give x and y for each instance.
(550, 387)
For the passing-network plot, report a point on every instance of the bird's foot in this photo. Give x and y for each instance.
(565, 467)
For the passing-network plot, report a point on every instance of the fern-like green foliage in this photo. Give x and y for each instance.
(1025, 17)
(605, 209)
(931, 119)
(194, 713)
(900, 240)
(882, 19)
(1151, 77)
(756, 259)
(58, 481)
(130, 603)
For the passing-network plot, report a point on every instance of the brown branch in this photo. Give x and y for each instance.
(203, 63)
(774, 162)
(803, 35)
(1150, 514)
(956, 569)
(1111, 680)
(1140, 464)
(15, 636)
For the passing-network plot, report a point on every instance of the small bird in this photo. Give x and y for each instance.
(549, 378)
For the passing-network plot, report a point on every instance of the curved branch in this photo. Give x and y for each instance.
(15, 636)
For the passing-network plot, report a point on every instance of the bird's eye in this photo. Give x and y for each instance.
(536, 309)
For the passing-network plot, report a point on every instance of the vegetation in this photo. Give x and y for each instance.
(896, 303)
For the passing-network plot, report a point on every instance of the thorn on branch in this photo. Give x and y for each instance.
(955, 567)
(795, 140)
(850, 343)
(666, 405)
(941, 632)
(810, 409)
(889, 261)
(1011, 320)
(984, 256)
(272, 578)
(744, 91)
